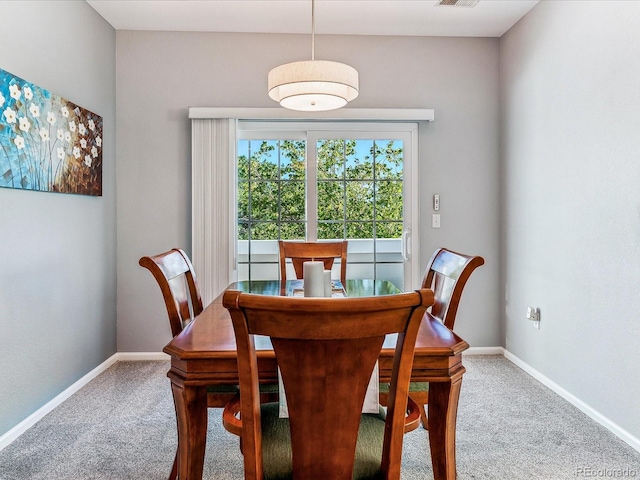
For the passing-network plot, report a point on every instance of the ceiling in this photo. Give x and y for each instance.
(488, 18)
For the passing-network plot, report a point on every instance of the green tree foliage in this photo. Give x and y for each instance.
(365, 189)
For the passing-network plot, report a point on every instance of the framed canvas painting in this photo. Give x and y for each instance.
(47, 143)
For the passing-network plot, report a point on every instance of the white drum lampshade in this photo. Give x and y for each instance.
(313, 85)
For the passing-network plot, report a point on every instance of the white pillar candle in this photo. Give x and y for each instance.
(313, 279)
(327, 283)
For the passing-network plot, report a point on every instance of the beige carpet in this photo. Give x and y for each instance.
(122, 426)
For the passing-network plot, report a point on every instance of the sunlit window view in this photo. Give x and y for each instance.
(353, 190)
(271, 190)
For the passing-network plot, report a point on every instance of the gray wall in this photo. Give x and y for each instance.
(57, 281)
(571, 199)
(160, 74)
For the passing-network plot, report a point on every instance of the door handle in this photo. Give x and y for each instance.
(406, 235)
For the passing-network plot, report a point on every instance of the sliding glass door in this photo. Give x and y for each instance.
(320, 182)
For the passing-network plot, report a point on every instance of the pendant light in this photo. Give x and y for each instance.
(313, 85)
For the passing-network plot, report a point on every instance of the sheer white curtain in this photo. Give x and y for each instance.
(213, 157)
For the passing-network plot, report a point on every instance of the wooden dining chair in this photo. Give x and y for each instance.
(447, 275)
(300, 252)
(325, 345)
(177, 281)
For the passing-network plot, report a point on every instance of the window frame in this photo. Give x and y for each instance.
(311, 131)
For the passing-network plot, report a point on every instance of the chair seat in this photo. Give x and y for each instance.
(418, 397)
(269, 388)
(266, 388)
(413, 387)
(223, 389)
(269, 393)
(276, 445)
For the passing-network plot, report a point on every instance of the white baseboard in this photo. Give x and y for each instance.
(32, 419)
(484, 351)
(141, 356)
(618, 431)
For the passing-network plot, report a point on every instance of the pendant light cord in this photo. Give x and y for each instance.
(313, 30)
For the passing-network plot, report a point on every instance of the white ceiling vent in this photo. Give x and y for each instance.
(457, 3)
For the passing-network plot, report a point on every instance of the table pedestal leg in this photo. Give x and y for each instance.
(443, 410)
(191, 415)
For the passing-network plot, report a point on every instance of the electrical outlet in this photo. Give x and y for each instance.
(533, 314)
(435, 220)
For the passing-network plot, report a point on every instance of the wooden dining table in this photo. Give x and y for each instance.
(204, 354)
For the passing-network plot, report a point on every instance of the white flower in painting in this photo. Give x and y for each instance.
(60, 134)
(92, 124)
(51, 118)
(87, 160)
(83, 143)
(25, 124)
(35, 110)
(60, 153)
(99, 141)
(1, 99)
(28, 94)
(82, 130)
(94, 152)
(19, 141)
(14, 91)
(76, 152)
(72, 126)
(9, 115)
(65, 112)
(67, 137)
(44, 134)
